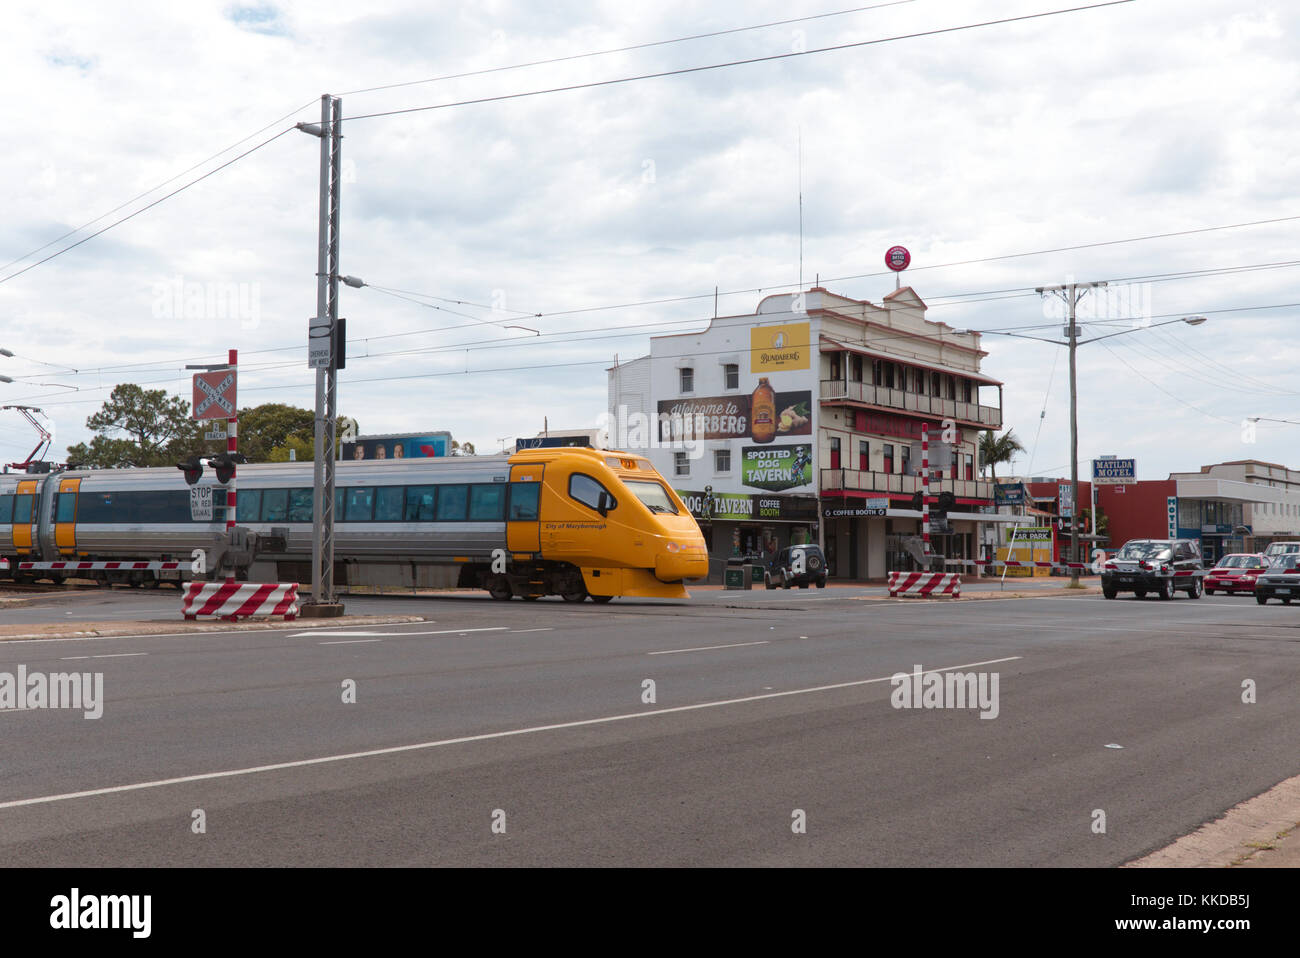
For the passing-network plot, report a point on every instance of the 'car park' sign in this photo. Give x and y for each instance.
(1114, 472)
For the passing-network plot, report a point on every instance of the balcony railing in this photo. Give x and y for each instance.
(989, 417)
(861, 480)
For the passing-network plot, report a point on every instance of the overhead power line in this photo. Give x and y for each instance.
(626, 49)
(149, 206)
(938, 31)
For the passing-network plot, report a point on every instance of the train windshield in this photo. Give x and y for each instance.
(654, 496)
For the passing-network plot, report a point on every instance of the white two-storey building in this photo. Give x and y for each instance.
(802, 422)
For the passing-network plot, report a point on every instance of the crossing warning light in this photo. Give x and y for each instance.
(192, 468)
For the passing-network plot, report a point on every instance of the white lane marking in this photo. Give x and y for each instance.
(107, 655)
(709, 648)
(521, 631)
(495, 628)
(486, 736)
(351, 641)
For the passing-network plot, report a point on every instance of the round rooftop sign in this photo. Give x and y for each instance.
(897, 258)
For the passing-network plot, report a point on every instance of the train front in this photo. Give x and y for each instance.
(665, 532)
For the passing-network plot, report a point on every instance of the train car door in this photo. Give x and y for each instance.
(523, 530)
(65, 517)
(24, 514)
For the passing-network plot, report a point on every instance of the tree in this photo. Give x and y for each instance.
(273, 427)
(157, 430)
(995, 449)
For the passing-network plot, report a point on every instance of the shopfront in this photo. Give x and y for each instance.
(742, 525)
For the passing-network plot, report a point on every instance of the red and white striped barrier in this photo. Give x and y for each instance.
(233, 601)
(925, 583)
(88, 566)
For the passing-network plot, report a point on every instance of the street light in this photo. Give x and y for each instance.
(1072, 341)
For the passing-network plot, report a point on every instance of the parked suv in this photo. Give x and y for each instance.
(1162, 566)
(797, 565)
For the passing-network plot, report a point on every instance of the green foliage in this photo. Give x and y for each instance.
(271, 426)
(139, 427)
(995, 449)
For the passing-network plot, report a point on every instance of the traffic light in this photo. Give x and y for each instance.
(192, 468)
(916, 501)
(224, 466)
(947, 502)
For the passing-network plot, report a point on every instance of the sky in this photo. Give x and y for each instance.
(1005, 157)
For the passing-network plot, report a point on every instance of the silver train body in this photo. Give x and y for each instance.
(391, 549)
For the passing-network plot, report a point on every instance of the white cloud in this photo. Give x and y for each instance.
(1137, 119)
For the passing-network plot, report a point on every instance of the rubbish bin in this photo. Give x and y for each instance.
(735, 577)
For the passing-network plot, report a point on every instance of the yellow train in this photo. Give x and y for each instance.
(569, 522)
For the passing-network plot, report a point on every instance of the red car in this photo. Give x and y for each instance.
(1235, 573)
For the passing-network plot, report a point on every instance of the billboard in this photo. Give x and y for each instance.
(397, 447)
(773, 348)
(729, 417)
(776, 468)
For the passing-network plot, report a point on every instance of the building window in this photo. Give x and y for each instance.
(970, 466)
(722, 460)
(966, 390)
(877, 372)
(837, 370)
(934, 386)
(864, 455)
(835, 452)
(731, 375)
(855, 368)
(889, 375)
(889, 458)
(681, 464)
(952, 387)
(905, 456)
(687, 375)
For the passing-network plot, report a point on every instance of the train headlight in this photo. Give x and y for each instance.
(672, 547)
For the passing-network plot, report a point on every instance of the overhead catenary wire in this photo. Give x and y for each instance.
(624, 49)
(681, 71)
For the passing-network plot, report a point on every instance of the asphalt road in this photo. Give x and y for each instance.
(533, 716)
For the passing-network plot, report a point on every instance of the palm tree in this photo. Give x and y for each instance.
(995, 449)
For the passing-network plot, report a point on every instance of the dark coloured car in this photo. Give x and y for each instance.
(797, 565)
(1281, 580)
(1162, 566)
(1235, 573)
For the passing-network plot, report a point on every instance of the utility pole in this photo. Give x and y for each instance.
(322, 355)
(1070, 294)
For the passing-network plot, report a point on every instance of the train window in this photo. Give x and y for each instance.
(452, 501)
(419, 503)
(248, 505)
(587, 490)
(388, 503)
(302, 504)
(523, 500)
(360, 504)
(338, 503)
(487, 503)
(65, 509)
(6, 508)
(23, 509)
(275, 505)
(653, 495)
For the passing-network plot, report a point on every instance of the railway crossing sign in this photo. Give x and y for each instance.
(214, 395)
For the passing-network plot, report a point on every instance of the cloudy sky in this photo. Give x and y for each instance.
(616, 210)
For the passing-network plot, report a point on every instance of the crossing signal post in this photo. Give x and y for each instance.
(214, 398)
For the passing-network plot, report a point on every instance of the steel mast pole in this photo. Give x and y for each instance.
(1074, 439)
(327, 261)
